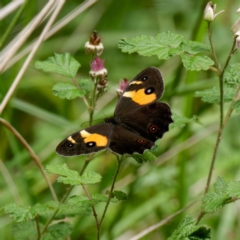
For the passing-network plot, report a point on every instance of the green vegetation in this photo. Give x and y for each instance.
(184, 187)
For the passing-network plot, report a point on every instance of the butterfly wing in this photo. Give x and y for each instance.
(123, 141)
(150, 121)
(89, 140)
(144, 89)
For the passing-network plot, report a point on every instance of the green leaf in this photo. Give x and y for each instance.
(58, 231)
(85, 84)
(188, 230)
(91, 178)
(236, 106)
(67, 176)
(182, 121)
(196, 63)
(121, 196)
(220, 186)
(19, 213)
(193, 47)
(202, 233)
(98, 197)
(72, 177)
(68, 91)
(215, 200)
(146, 156)
(233, 189)
(212, 95)
(161, 45)
(63, 64)
(25, 230)
(232, 74)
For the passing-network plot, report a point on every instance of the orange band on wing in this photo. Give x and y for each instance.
(100, 140)
(140, 97)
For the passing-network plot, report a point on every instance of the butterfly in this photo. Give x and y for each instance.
(138, 121)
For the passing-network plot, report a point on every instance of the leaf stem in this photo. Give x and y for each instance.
(119, 162)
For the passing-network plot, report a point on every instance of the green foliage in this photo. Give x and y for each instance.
(236, 106)
(189, 230)
(213, 95)
(232, 74)
(24, 230)
(58, 231)
(181, 122)
(68, 91)
(72, 177)
(19, 213)
(63, 64)
(146, 156)
(223, 193)
(121, 196)
(85, 84)
(166, 45)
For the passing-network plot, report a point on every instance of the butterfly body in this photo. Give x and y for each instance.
(138, 121)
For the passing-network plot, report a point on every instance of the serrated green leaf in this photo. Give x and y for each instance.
(91, 178)
(193, 47)
(182, 121)
(68, 176)
(19, 213)
(45, 210)
(63, 64)
(213, 202)
(85, 84)
(149, 45)
(196, 63)
(220, 186)
(58, 231)
(232, 74)
(233, 189)
(202, 233)
(25, 230)
(212, 95)
(121, 196)
(68, 91)
(185, 229)
(236, 106)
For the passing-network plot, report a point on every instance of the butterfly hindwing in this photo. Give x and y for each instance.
(91, 139)
(123, 141)
(150, 121)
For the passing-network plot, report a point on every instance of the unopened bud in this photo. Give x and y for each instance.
(209, 12)
(94, 44)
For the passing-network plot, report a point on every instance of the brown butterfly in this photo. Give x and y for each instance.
(138, 121)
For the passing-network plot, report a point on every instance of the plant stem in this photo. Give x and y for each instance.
(119, 162)
(31, 153)
(228, 115)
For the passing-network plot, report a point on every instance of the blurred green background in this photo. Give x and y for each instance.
(155, 190)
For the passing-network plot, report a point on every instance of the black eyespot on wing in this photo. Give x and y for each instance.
(91, 144)
(145, 78)
(149, 90)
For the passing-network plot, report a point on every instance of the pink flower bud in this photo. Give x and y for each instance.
(122, 84)
(97, 68)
